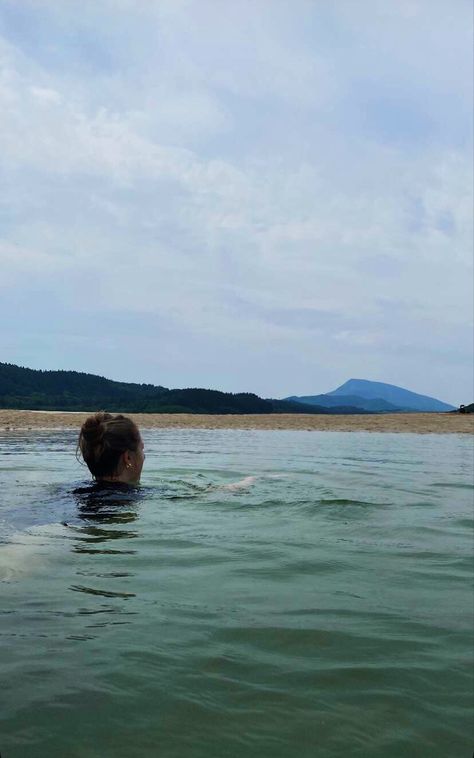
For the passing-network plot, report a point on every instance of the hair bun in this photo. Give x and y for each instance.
(94, 427)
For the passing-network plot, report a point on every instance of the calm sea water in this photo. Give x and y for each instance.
(321, 607)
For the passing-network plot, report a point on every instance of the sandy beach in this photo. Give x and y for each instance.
(417, 423)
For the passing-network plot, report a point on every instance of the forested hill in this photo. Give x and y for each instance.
(24, 388)
(75, 391)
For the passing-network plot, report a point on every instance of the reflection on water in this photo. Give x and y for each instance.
(261, 594)
(103, 508)
(107, 504)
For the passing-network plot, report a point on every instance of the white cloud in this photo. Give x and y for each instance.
(45, 95)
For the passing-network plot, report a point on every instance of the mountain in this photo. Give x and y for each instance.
(25, 388)
(357, 403)
(398, 396)
(71, 390)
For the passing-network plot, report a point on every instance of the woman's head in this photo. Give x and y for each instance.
(112, 447)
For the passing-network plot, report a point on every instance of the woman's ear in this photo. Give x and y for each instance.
(127, 459)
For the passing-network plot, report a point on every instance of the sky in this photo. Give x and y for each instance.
(256, 196)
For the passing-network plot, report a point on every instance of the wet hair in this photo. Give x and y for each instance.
(103, 439)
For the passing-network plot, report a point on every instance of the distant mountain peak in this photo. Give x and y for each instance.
(398, 396)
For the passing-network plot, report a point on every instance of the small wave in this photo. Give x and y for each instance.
(346, 501)
(102, 593)
(454, 485)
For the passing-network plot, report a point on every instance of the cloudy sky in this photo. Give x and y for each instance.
(250, 196)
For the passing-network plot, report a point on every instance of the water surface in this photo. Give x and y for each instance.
(269, 594)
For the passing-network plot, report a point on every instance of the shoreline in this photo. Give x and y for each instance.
(415, 423)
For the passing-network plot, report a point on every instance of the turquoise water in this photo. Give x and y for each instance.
(320, 605)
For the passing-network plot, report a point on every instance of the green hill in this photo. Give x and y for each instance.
(29, 389)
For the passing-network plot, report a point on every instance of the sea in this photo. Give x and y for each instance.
(261, 594)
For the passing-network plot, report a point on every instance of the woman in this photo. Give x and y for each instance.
(112, 448)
